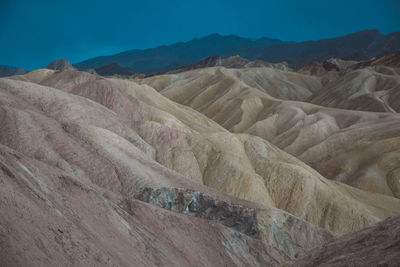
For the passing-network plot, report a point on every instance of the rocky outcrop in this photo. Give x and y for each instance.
(194, 203)
(289, 234)
(60, 64)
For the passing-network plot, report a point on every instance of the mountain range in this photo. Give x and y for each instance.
(357, 46)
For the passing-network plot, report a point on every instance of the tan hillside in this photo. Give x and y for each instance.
(312, 133)
(277, 83)
(371, 89)
(240, 165)
(64, 220)
(117, 137)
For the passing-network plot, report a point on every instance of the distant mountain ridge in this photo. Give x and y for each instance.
(356, 46)
(164, 58)
(114, 69)
(10, 71)
(359, 46)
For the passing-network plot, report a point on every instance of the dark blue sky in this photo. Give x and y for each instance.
(35, 32)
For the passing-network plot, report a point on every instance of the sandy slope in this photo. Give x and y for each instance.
(371, 89)
(52, 218)
(157, 129)
(333, 141)
(375, 246)
(104, 147)
(77, 147)
(277, 83)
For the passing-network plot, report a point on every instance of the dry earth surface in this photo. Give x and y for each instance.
(354, 147)
(208, 167)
